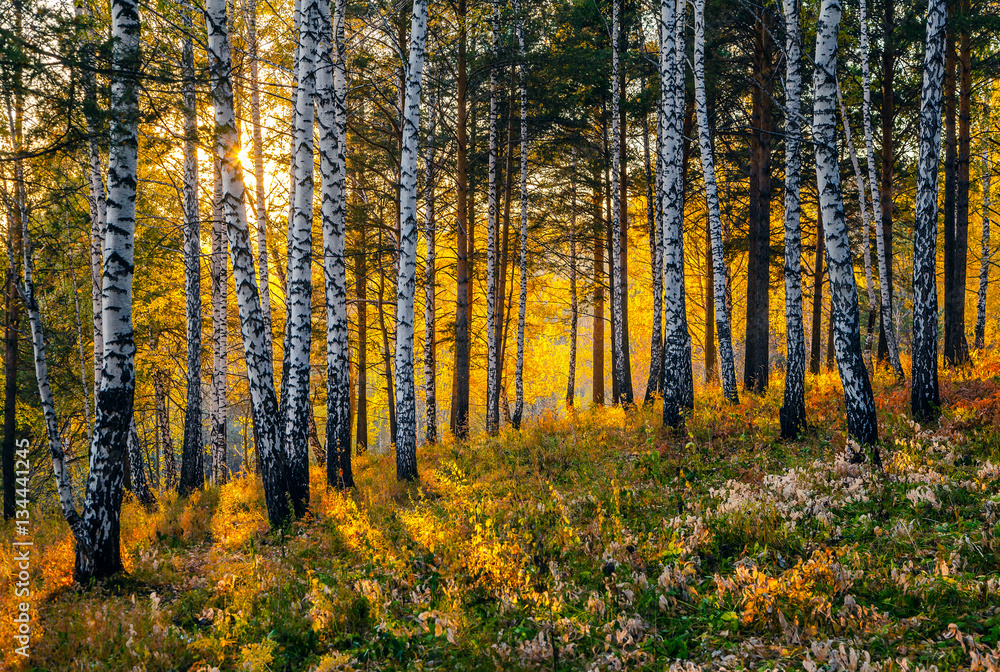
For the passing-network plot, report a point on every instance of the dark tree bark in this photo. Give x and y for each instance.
(755, 372)
(816, 343)
(952, 298)
(888, 159)
(361, 291)
(12, 318)
(461, 387)
(598, 320)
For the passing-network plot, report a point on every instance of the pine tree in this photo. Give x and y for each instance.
(986, 252)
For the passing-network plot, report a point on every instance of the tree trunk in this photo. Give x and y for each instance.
(192, 469)
(386, 355)
(258, 174)
(656, 262)
(11, 329)
(816, 342)
(598, 318)
(719, 272)
(492, 362)
(678, 381)
(756, 363)
(986, 252)
(406, 400)
(523, 284)
(619, 346)
(924, 399)
(163, 425)
(260, 372)
(101, 555)
(361, 292)
(887, 328)
(220, 301)
(961, 239)
(461, 373)
(862, 424)
(331, 89)
(574, 312)
(865, 235)
(793, 411)
(430, 284)
(888, 116)
(137, 468)
(951, 348)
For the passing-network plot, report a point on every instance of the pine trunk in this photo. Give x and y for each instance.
(574, 312)
(756, 361)
(460, 407)
(656, 262)
(888, 117)
(430, 283)
(961, 238)
(951, 348)
(163, 427)
(862, 424)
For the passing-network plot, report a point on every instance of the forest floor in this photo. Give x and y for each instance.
(599, 542)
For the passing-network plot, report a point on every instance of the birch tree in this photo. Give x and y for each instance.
(492, 364)
(192, 468)
(656, 264)
(986, 253)
(678, 379)
(406, 407)
(430, 283)
(219, 410)
(617, 298)
(861, 421)
(298, 298)
(523, 259)
(260, 371)
(719, 272)
(885, 286)
(260, 198)
(331, 83)
(924, 399)
(792, 414)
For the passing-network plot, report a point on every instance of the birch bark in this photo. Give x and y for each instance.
(678, 380)
(523, 286)
(492, 364)
(617, 298)
(260, 372)
(719, 272)
(430, 283)
(924, 400)
(861, 421)
(192, 469)
(406, 408)
(986, 253)
(885, 281)
(331, 82)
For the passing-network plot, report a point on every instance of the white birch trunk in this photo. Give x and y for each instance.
(430, 284)
(523, 298)
(861, 421)
(574, 314)
(986, 253)
(719, 272)
(618, 367)
(259, 367)
(865, 224)
(924, 400)
(885, 291)
(793, 411)
(220, 346)
(102, 504)
(492, 355)
(192, 468)
(331, 86)
(678, 378)
(260, 196)
(298, 297)
(406, 407)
